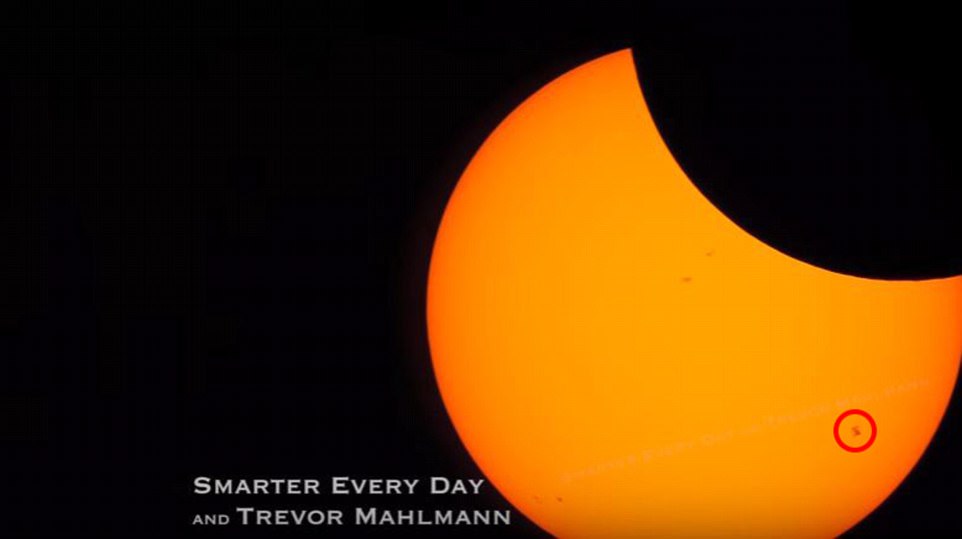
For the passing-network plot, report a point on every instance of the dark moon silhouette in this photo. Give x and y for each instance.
(814, 128)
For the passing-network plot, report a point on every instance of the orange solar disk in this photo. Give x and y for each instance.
(621, 360)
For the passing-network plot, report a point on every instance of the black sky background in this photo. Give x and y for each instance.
(218, 220)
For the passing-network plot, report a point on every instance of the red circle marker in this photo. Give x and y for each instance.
(871, 438)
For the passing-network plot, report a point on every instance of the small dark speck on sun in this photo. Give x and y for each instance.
(686, 279)
(559, 499)
(710, 253)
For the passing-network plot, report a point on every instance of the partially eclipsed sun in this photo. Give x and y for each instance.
(622, 360)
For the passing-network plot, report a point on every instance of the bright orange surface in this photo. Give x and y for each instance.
(621, 360)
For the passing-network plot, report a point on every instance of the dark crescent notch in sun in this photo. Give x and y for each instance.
(811, 131)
